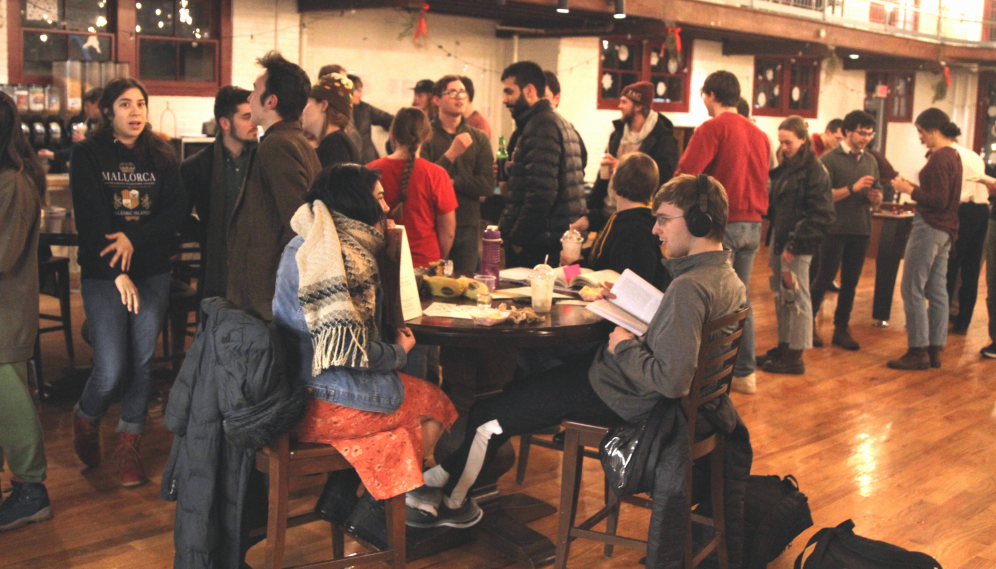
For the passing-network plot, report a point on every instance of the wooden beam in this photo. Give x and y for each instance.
(770, 47)
(892, 64)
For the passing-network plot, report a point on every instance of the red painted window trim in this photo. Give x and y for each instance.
(645, 73)
(785, 87)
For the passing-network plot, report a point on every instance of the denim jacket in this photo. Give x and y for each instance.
(375, 388)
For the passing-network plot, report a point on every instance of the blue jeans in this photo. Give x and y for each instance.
(925, 276)
(743, 238)
(123, 346)
(793, 307)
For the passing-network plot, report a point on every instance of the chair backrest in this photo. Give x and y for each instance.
(714, 372)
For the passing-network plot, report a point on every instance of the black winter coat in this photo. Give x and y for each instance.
(800, 205)
(660, 145)
(546, 181)
(670, 510)
(232, 396)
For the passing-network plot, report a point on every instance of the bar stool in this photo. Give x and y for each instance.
(283, 458)
(58, 269)
(580, 435)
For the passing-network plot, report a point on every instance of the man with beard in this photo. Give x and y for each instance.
(465, 153)
(732, 149)
(546, 179)
(365, 117)
(212, 178)
(639, 129)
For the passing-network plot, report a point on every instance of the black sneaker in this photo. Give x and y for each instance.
(27, 503)
(989, 351)
(465, 516)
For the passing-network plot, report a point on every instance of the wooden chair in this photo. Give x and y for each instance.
(57, 269)
(282, 459)
(579, 435)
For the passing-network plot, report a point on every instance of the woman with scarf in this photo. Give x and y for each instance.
(328, 304)
(801, 208)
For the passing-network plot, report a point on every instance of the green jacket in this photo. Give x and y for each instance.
(20, 213)
(471, 174)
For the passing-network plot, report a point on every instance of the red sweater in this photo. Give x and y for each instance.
(734, 151)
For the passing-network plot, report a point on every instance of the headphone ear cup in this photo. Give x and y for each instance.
(699, 224)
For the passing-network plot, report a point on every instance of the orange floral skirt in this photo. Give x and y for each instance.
(384, 448)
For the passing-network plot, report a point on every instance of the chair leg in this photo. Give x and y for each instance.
(276, 523)
(62, 277)
(611, 522)
(570, 487)
(38, 360)
(525, 442)
(395, 511)
(689, 548)
(718, 505)
(338, 542)
(165, 335)
(178, 330)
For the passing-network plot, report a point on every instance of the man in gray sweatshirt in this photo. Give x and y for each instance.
(620, 380)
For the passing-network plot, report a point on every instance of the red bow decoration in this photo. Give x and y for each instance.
(677, 41)
(421, 29)
(947, 76)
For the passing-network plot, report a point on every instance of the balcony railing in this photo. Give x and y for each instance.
(963, 22)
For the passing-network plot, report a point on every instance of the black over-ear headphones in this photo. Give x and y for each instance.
(697, 219)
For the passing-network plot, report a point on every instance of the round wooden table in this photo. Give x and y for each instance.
(476, 362)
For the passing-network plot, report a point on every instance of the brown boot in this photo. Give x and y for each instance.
(86, 441)
(132, 473)
(915, 358)
(842, 337)
(817, 339)
(935, 355)
(790, 363)
(772, 354)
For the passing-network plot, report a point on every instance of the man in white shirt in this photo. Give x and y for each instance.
(966, 255)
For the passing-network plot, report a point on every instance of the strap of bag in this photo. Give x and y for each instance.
(884, 553)
(823, 537)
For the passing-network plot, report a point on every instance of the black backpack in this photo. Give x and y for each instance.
(840, 548)
(775, 513)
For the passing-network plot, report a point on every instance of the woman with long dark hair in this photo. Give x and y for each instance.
(801, 209)
(935, 227)
(328, 304)
(22, 188)
(420, 193)
(129, 202)
(328, 117)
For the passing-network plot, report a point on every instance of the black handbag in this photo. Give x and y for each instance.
(841, 548)
(629, 452)
(775, 513)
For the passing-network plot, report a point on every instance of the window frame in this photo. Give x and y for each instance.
(890, 77)
(125, 49)
(644, 72)
(785, 86)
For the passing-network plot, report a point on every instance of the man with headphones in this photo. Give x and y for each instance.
(617, 381)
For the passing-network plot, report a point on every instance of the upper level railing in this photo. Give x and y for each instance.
(967, 22)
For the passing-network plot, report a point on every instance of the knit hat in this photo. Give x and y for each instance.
(641, 93)
(335, 88)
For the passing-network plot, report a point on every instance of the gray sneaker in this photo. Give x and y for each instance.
(425, 498)
(465, 516)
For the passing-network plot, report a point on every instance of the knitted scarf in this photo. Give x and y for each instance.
(337, 285)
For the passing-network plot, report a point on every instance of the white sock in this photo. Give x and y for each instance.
(436, 477)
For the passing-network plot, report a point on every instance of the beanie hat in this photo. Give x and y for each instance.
(641, 93)
(335, 88)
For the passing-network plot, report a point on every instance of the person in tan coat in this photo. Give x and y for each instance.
(280, 172)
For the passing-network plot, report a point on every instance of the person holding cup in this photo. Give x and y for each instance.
(626, 241)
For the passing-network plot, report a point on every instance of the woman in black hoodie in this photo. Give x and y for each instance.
(800, 208)
(129, 202)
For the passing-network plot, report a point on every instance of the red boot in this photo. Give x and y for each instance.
(86, 441)
(132, 473)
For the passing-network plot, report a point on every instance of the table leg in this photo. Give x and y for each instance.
(891, 248)
(468, 376)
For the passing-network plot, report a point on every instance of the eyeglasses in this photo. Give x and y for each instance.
(663, 219)
(455, 94)
(865, 133)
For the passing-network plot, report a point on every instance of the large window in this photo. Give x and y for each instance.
(896, 89)
(174, 46)
(626, 61)
(786, 86)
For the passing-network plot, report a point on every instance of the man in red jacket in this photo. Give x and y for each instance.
(733, 150)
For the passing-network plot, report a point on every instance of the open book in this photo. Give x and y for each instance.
(570, 276)
(397, 276)
(635, 304)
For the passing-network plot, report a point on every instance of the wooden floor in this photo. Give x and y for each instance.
(909, 456)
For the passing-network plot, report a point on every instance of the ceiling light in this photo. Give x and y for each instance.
(620, 12)
(854, 56)
(562, 6)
